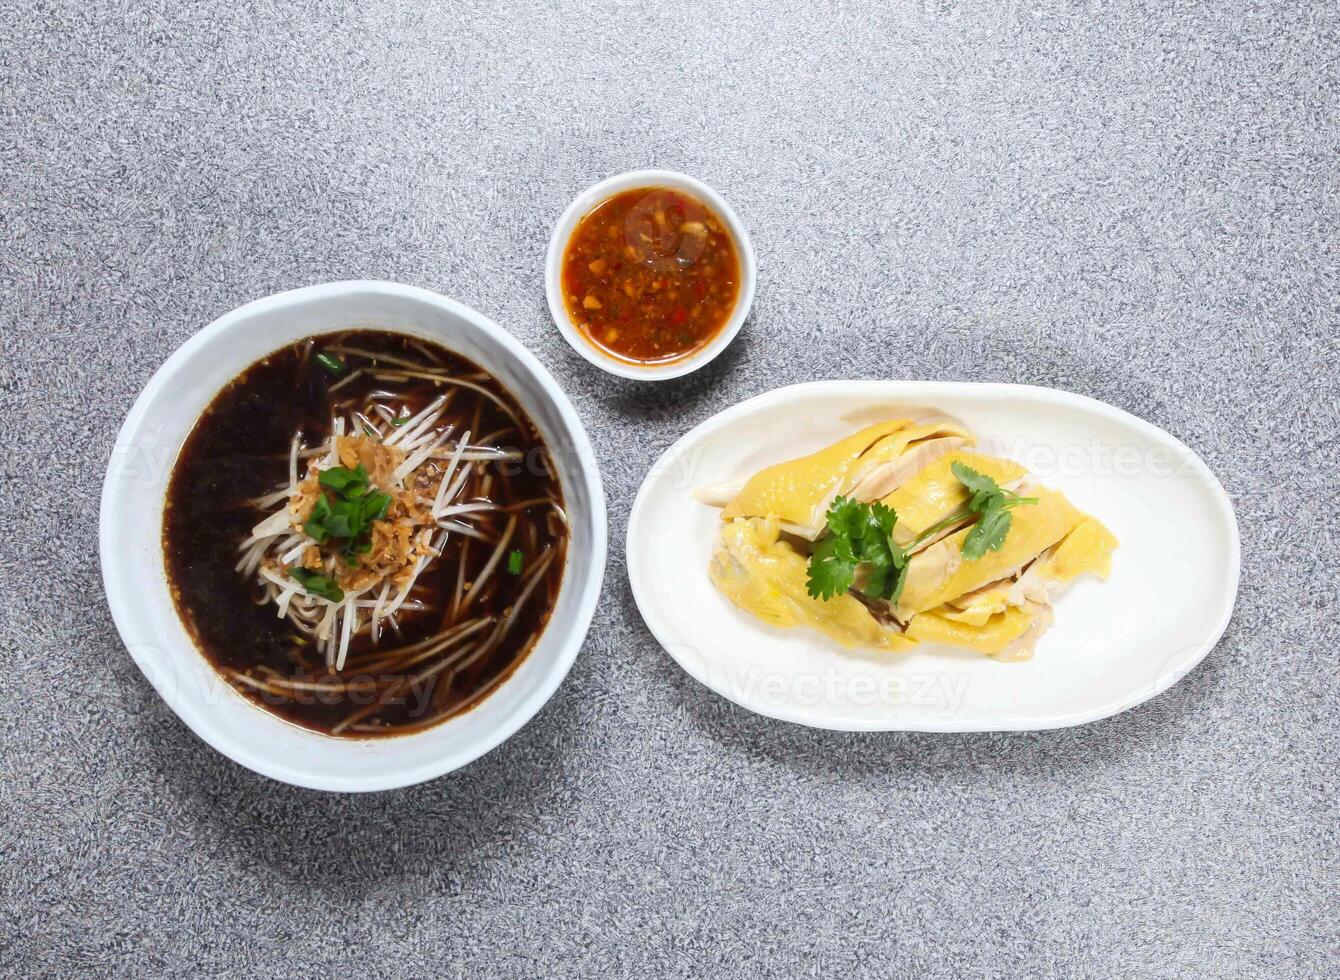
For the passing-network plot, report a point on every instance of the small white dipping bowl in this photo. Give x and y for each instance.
(131, 528)
(584, 204)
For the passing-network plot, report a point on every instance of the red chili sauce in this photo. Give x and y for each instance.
(651, 275)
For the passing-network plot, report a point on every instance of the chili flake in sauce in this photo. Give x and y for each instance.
(651, 275)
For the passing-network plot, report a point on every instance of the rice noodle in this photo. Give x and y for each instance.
(490, 565)
(363, 661)
(374, 356)
(425, 418)
(453, 381)
(505, 625)
(345, 380)
(332, 686)
(466, 529)
(293, 462)
(532, 502)
(451, 470)
(407, 657)
(467, 509)
(412, 463)
(460, 581)
(427, 354)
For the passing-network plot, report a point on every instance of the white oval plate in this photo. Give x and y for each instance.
(1114, 644)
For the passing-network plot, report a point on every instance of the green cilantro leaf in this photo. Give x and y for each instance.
(986, 492)
(831, 569)
(991, 503)
(882, 518)
(847, 518)
(858, 551)
(988, 534)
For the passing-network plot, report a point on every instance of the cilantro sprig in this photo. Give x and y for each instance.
(992, 505)
(860, 546)
(860, 541)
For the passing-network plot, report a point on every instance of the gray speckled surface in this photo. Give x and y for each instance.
(1134, 202)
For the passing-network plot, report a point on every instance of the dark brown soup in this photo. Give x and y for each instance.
(365, 533)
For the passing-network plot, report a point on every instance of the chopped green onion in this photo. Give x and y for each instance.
(515, 561)
(356, 505)
(332, 364)
(375, 506)
(317, 584)
(315, 526)
(400, 421)
(345, 481)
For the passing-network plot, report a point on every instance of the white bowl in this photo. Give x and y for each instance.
(1113, 644)
(131, 521)
(581, 207)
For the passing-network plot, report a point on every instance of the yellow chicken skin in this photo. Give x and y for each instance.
(941, 573)
(976, 607)
(1086, 550)
(799, 491)
(935, 493)
(994, 618)
(992, 637)
(766, 577)
(898, 457)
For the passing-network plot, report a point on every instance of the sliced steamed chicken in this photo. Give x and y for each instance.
(941, 572)
(934, 493)
(998, 604)
(765, 576)
(1005, 617)
(867, 465)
